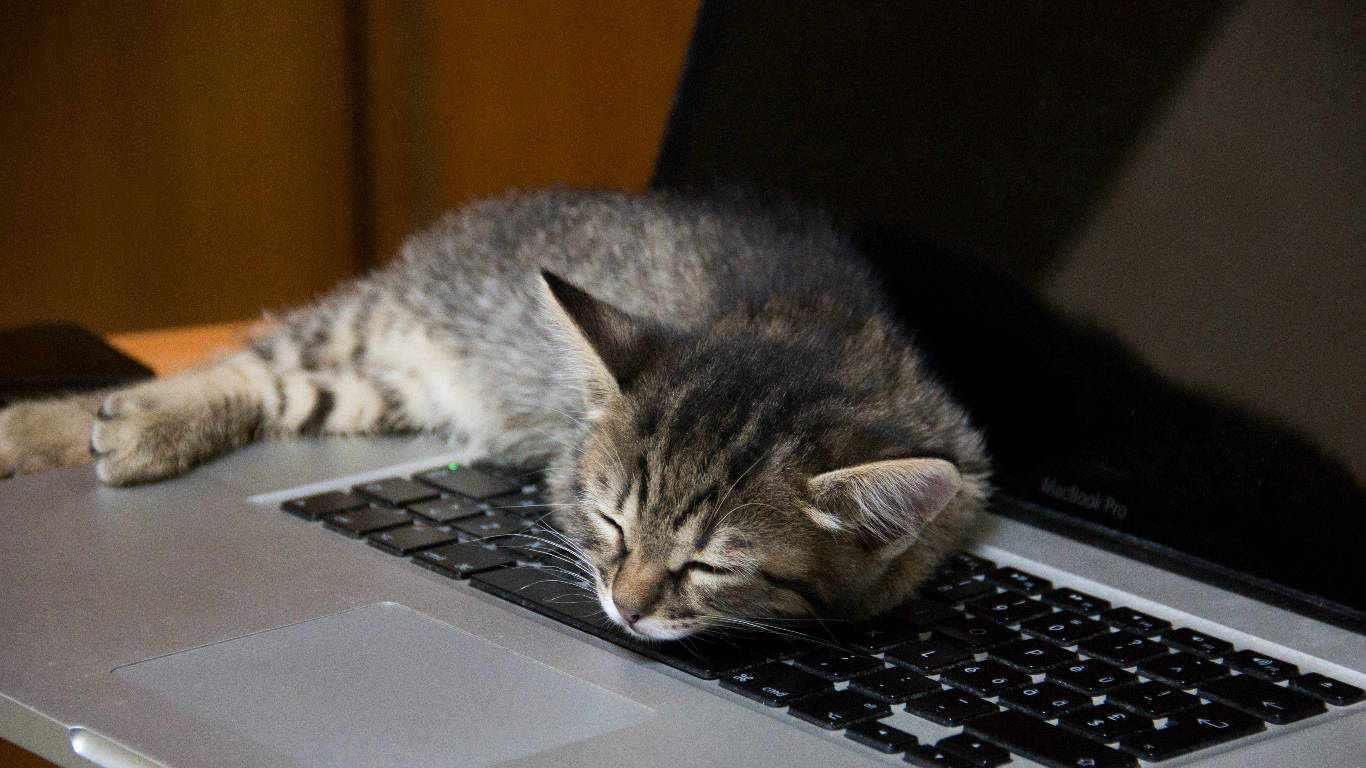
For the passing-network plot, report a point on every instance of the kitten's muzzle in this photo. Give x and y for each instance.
(629, 614)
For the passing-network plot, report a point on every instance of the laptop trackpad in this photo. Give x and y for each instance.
(384, 685)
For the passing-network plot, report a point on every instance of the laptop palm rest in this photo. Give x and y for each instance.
(384, 685)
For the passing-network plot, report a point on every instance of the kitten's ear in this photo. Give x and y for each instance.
(885, 503)
(614, 346)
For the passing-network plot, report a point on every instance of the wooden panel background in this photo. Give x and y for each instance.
(469, 99)
(167, 163)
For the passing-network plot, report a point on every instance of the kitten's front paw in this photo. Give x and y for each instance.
(140, 435)
(43, 435)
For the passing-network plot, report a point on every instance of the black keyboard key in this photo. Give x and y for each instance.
(700, 657)
(955, 589)
(951, 707)
(408, 539)
(1188, 731)
(1135, 621)
(528, 506)
(549, 594)
(1032, 655)
(1259, 665)
(323, 504)
(966, 562)
(460, 561)
(1104, 722)
(468, 482)
(839, 709)
(1092, 677)
(1044, 743)
(985, 678)
(1077, 602)
(837, 665)
(930, 756)
(1018, 581)
(1007, 607)
(975, 632)
(774, 683)
(928, 657)
(775, 647)
(877, 635)
(1122, 648)
(491, 525)
(1327, 689)
(531, 587)
(923, 614)
(975, 751)
(394, 491)
(1181, 669)
(359, 522)
(1063, 628)
(538, 545)
(894, 685)
(445, 510)
(883, 738)
(1259, 698)
(1045, 700)
(1197, 643)
(1152, 699)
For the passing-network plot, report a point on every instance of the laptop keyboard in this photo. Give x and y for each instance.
(1014, 664)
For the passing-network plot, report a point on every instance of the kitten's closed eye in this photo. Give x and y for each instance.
(622, 549)
(620, 531)
(698, 565)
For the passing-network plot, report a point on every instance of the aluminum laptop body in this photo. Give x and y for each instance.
(1025, 228)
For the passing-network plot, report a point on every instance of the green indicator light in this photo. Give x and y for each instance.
(453, 466)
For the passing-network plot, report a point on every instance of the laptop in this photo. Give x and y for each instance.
(1128, 238)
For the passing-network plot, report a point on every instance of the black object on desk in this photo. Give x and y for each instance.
(41, 360)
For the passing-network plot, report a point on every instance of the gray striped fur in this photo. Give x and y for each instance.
(702, 405)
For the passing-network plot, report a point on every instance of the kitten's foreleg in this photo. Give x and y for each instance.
(163, 428)
(354, 364)
(166, 427)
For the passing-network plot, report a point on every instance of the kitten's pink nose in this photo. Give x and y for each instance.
(630, 614)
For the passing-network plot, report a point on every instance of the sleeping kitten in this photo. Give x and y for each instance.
(735, 428)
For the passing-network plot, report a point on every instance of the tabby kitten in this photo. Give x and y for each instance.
(735, 428)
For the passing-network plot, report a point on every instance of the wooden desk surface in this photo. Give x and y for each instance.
(169, 350)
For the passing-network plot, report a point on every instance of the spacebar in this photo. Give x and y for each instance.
(1044, 743)
(546, 593)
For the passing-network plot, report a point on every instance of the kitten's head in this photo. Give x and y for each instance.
(718, 487)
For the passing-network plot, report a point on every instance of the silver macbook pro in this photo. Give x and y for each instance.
(1129, 238)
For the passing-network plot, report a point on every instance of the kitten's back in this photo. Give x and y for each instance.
(657, 256)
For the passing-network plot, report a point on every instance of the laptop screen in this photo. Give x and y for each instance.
(1128, 236)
